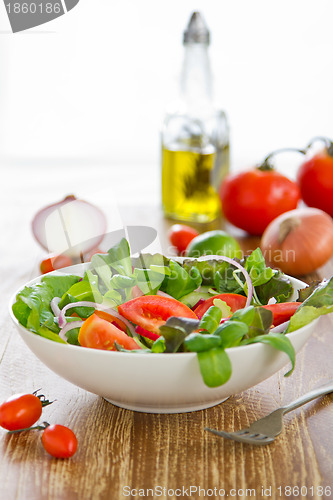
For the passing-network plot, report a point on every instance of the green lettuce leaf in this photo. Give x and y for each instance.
(207, 269)
(175, 330)
(32, 307)
(116, 261)
(256, 267)
(211, 319)
(215, 366)
(278, 341)
(279, 287)
(180, 282)
(320, 302)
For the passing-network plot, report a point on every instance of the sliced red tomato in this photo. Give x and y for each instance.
(101, 334)
(282, 312)
(233, 300)
(152, 311)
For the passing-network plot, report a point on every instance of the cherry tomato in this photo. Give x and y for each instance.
(233, 300)
(59, 441)
(55, 262)
(20, 411)
(180, 236)
(315, 179)
(282, 312)
(98, 333)
(152, 311)
(252, 199)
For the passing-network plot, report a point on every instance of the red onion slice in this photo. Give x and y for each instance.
(163, 294)
(99, 307)
(146, 333)
(69, 326)
(241, 268)
(54, 306)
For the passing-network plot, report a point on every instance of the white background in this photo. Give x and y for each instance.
(91, 87)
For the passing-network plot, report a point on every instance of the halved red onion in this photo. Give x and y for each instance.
(240, 267)
(99, 307)
(54, 306)
(70, 226)
(69, 326)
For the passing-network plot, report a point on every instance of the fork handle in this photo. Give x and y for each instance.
(315, 393)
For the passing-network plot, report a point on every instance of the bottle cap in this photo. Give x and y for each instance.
(196, 31)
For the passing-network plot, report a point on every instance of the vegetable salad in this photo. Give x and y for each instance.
(154, 304)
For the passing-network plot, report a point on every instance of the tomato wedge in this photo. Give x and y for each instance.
(152, 311)
(233, 300)
(282, 312)
(101, 334)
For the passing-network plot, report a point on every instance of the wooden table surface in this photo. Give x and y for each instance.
(129, 454)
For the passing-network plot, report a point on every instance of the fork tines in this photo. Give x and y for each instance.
(243, 436)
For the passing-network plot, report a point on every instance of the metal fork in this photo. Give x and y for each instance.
(265, 430)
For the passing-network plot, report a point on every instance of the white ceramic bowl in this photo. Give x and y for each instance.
(157, 383)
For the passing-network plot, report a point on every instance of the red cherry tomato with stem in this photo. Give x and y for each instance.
(180, 236)
(59, 441)
(21, 411)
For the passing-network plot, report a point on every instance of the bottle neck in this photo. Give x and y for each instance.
(196, 78)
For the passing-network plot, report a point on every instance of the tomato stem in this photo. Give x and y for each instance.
(266, 164)
(326, 140)
(35, 427)
(43, 400)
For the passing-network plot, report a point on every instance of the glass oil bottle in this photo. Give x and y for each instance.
(195, 138)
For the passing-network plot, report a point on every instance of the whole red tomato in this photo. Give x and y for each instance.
(315, 179)
(181, 235)
(252, 199)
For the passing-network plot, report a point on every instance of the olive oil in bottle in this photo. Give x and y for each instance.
(195, 139)
(187, 189)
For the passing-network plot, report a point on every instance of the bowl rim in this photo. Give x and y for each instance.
(85, 265)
